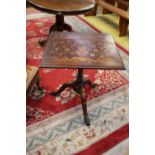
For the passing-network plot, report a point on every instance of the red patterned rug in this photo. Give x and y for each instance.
(41, 107)
(52, 79)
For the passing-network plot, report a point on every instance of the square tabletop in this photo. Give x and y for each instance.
(81, 50)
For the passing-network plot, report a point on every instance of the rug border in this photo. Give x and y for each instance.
(108, 142)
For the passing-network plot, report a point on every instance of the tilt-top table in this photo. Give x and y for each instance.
(81, 51)
(61, 8)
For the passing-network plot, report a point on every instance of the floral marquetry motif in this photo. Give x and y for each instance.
(74, 50)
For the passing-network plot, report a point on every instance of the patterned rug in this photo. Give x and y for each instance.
(55, 124)
(105, 23)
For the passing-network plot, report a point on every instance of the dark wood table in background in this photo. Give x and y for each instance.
(61, 8)
(81, 51)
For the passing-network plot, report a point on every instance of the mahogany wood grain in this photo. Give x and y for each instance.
(66, 7)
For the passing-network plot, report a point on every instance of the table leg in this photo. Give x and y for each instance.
(92, 85)
(62, 88)
(84, 108)
(59, 25)
(78, 86)
(123, 26)
(123, 23)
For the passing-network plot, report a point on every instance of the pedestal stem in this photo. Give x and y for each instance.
(80, 76)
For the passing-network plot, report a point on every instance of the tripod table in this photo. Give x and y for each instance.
(81, 51)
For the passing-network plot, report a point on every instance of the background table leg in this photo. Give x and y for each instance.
(59, 25)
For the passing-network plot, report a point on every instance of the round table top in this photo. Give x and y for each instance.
(63, 6)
